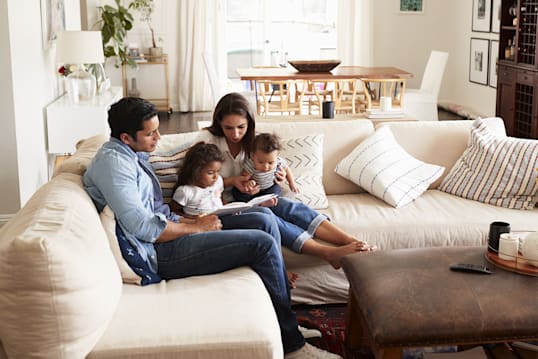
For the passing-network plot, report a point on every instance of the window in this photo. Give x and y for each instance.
(269, 32)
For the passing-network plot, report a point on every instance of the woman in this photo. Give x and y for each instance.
(233, 131)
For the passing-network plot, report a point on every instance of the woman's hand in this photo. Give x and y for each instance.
(244, 184)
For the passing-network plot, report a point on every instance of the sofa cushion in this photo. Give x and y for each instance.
(59, 284)
(383, 168)
(79, 161)
(109, 224)
(495, 169)
(305, 160)
(340, 137)
(225, 315)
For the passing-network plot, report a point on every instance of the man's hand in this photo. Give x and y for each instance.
(208, 223)
(188, 226)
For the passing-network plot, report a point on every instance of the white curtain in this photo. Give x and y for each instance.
(201, 29)
(354, 32)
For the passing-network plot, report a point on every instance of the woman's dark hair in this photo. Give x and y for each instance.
(196, 159)
(234, 104)
(128, 116)
(266, 142)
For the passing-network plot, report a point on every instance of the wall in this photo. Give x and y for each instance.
(29, 84)
(405, 41)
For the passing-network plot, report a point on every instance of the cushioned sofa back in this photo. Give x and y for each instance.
(340, 138)
(59, 284)
(438, 142)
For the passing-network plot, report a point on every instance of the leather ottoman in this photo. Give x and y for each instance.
(410, 298)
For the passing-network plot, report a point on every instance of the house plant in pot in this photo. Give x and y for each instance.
(146, 8)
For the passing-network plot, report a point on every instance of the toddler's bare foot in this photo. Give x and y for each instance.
(292, 278)
(335, 254)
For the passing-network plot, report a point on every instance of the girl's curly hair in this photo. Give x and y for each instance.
(196, 159)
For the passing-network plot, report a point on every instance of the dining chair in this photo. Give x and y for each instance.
(374, 89)
(315, 93)
(349, 97)
(422, 103)
(280, 96)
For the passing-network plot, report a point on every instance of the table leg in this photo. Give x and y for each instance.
(355, 332)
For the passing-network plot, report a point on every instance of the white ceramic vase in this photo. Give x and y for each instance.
(529, 249)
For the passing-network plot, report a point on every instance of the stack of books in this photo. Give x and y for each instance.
(378, 113)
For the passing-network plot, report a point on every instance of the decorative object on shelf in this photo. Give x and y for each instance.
(314, 65)
(478, 61)
(133, 91)
(115, 24)
(146, 8)
(79, 48)
(493, 57)
(481, 15)
(412, 6)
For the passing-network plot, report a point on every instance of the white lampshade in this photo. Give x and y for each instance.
(79, 47)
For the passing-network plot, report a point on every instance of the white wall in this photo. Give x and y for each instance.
(405, 41)
(29, 83)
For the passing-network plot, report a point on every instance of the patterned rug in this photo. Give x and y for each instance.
(330, 320)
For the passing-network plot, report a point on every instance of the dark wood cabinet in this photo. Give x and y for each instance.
(517, 68)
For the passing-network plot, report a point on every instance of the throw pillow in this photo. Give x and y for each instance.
(384, 169)
(305, 159)
(109, 224)
(495, 170)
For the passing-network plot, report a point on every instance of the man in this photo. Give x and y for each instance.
(158, 244)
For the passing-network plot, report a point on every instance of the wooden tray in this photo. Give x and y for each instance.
(519, 265)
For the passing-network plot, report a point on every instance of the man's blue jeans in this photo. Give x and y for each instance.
(215, 252)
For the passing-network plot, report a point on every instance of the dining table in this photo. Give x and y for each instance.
(366, 74)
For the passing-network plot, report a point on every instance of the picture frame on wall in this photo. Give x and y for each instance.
(496, 16)
(479, 61)
(412, 6)
(493, 57)
(52, 20)
(481, 15)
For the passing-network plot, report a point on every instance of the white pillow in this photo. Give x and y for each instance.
(496, 170)
(109, 224)
(384, 169)
(305, 159)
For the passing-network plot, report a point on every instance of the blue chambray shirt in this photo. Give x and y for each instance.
(122, 179)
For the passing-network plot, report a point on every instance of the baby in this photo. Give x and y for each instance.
(262, 165)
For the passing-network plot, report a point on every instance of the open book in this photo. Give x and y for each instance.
(235, 207)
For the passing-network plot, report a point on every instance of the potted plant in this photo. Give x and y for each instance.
(115, 23)
(146, 8)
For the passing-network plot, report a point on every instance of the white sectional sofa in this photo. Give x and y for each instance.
(61, 293)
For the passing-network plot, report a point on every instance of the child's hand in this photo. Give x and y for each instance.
(294, 188)
(280, 175)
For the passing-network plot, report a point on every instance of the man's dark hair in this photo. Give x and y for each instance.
(266, 142)
(128, 116)
(196, 159)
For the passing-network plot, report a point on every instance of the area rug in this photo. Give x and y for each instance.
(330, 320)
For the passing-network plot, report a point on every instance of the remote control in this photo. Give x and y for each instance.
(466, 267)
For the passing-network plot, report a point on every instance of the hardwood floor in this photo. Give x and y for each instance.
(179, 122)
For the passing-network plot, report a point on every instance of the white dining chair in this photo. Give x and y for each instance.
(422, 103)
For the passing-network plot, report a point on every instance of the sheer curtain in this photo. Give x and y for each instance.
(354, 31)
(201, 29)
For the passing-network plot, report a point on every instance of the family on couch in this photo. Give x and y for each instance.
(158, 244)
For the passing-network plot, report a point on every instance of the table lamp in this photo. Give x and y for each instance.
(79, 48)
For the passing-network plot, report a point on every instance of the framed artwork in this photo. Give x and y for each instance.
(479, 61)
(495, 16)
(481, 15)
(493, 56)
(52, 20)
(411, 6)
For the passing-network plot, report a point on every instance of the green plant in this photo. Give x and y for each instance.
(145, 8)
(115, 23)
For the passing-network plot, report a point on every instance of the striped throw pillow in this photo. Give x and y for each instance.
(495, 170)
(384, 169)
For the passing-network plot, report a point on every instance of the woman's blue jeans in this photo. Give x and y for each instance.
(218, 251)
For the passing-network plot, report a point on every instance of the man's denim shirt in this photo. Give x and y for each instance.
(123, 180)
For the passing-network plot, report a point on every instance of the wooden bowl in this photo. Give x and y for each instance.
(314, 65)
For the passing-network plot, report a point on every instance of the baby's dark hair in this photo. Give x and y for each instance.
(196, 159)
(266, 142)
